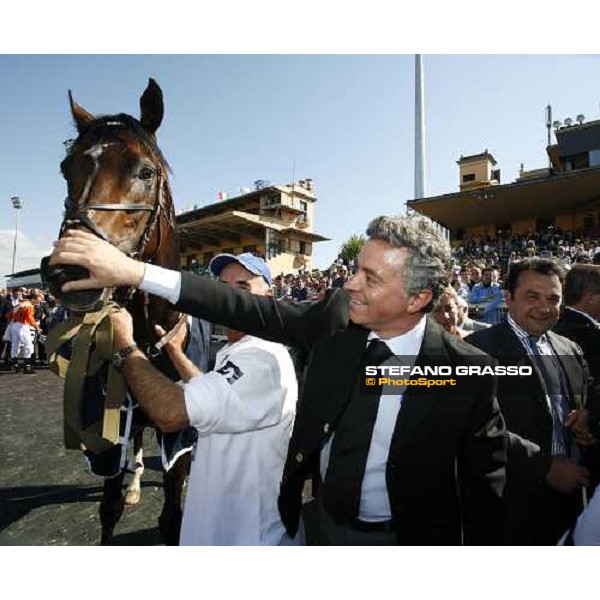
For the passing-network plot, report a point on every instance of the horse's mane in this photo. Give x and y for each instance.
(101, 128)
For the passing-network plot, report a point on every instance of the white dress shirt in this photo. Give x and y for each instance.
(374, 499)
(161, 282)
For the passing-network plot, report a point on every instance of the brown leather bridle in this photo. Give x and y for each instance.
(158, 209)
(82, 216)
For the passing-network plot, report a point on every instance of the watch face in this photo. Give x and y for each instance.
(119, 357)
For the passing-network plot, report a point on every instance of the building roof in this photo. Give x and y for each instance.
(29, 278)
(229, 225)
(561, 193)
(476, 157)
(232, 203)
(578, 138)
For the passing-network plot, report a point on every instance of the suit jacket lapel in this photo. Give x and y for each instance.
(512, 352)
(509, 346)
(344, 351)
(416, 404)
(570, 366)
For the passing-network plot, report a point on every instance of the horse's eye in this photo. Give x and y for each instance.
(146, 173)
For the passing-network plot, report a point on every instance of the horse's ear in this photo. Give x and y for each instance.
(81, 116)
(152, 107)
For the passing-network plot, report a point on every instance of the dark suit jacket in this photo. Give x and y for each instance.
(529, 422)
(586, 335)
(445, 471)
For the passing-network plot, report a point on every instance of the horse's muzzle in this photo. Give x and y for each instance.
(55, 276)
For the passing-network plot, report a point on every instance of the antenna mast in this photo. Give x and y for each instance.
(549, 127)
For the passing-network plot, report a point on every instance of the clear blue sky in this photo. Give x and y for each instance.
(346, 121)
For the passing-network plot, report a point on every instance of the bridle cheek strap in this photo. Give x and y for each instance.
(82, 217)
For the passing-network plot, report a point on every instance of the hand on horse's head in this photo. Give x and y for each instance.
(122, 329)
(107, 265)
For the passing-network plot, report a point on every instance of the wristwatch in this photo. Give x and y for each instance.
(119, 357)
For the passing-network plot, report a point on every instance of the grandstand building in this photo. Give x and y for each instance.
(565, 196)
(274, 221)
(27, 279)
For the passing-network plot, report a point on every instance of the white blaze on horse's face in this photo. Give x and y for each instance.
(96, 151)
(121, 174)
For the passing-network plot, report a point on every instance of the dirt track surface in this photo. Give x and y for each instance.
(47, 496)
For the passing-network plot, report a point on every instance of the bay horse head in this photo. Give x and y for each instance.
(118, 189)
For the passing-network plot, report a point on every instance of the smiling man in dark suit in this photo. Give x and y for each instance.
(412, 467)
(543, 489)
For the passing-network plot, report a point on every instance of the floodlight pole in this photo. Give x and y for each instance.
(420, 176)
(549, 127)
(17, 205)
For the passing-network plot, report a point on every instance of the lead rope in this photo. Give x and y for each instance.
(92, 347)
(91, 339)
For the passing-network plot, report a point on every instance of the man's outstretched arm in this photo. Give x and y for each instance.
(161, 399)
(216, 302)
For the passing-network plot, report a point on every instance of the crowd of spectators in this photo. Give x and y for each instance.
(480, 269)
(309, 286)
(482, 263)
(46, 312)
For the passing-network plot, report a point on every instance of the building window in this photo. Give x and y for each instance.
(304, 206)
(594, 158)
(589, 221)
(277, 245)
(579, 161)
(468, 177)
(273, 199)
(302, 248)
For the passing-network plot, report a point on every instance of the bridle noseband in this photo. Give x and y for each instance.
(82, 217)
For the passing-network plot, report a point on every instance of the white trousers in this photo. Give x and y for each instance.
(21, 336)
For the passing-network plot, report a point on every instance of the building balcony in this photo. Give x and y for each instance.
(302, 221)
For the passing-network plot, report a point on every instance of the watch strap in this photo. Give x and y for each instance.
(120, 356)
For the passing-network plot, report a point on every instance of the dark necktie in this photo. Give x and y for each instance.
(350, 446)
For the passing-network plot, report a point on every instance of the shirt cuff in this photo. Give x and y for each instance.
(162, 282)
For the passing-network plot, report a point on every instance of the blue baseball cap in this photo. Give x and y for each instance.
(252, 263)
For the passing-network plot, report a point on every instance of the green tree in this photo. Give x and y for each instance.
(352, 246)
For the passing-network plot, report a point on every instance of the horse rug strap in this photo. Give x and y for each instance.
(78, 349)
